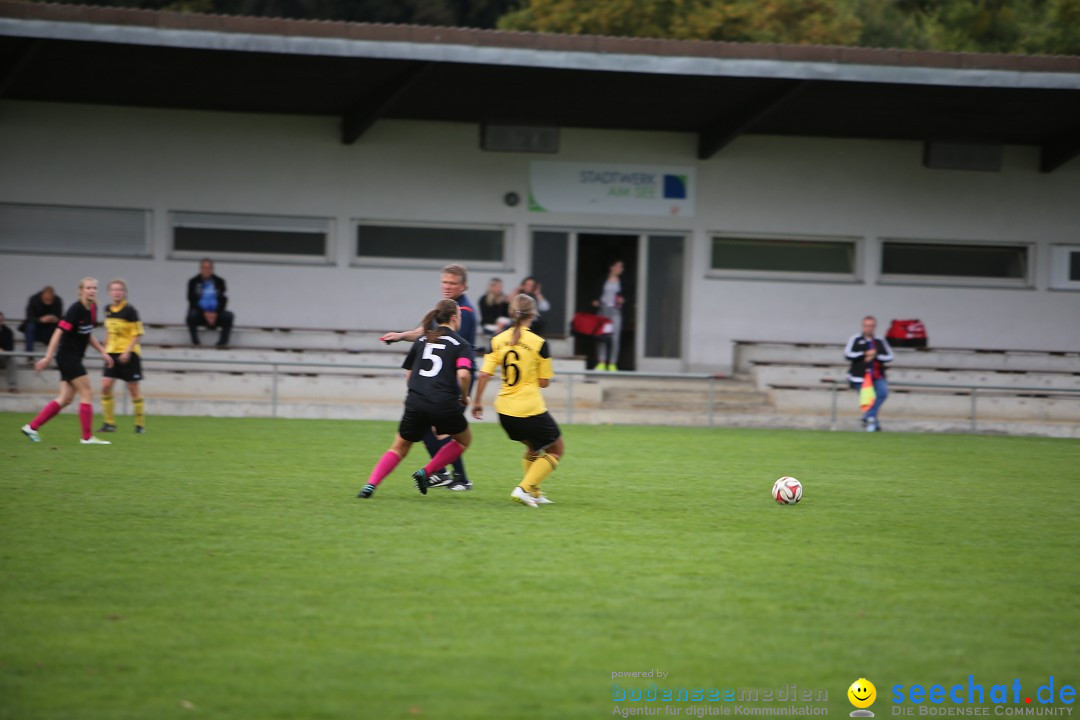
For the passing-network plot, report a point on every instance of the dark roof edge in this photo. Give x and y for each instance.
(580, 51)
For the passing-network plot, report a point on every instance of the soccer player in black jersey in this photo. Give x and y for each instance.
(454, 280)
(439, 365)
(68, 344)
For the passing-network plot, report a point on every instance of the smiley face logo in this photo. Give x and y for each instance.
(862, 693)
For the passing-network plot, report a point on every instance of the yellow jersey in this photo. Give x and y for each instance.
(523, 366)
(122, 324)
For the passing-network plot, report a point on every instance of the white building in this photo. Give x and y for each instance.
(325, 166)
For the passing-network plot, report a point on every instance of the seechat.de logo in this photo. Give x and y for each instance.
(974, 698)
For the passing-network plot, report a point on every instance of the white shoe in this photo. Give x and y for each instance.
(30, 433)
(523, 497)
(94, 441)
(543, 500)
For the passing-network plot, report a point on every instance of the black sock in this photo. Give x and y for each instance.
(432, 443)
(459, 468)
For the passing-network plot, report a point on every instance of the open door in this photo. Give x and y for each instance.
(596, 252)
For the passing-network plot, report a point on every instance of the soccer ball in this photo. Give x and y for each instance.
(787, 491)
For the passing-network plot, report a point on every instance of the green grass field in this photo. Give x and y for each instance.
(222, 568)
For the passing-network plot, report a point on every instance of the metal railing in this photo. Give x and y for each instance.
(839, 384)
(571, 377)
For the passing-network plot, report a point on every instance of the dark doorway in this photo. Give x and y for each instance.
(595, 254)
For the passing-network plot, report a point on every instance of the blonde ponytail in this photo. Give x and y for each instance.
(522, 313)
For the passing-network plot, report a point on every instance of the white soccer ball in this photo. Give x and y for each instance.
(787, 491)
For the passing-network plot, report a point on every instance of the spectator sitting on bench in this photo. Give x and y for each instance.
(7, 344)
(43, 311)
(206, 304)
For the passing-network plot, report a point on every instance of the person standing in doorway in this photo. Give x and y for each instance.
(869, 353)
(610, 303)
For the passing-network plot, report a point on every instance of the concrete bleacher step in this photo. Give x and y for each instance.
(377, 386)
(904, 402)
(322, 361)
(300, 339)
(748, 353)
(682, 396)
(769, 374)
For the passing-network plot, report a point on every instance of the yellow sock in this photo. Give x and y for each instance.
(108, 408)
(526, 463)
(541, 468)
(140, 411)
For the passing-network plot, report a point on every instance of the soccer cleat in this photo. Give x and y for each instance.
(94, 441)
(420, 478)
(140, 429)
(459, 485)
(600, 367)
(107, 427)
(440, 479)
(367, 492)
(30, 433)
(542, 499)
(520, 496)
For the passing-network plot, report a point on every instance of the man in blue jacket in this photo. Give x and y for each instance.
(206, 304)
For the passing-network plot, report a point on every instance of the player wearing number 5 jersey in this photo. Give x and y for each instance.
(439, 366)
(524, 359)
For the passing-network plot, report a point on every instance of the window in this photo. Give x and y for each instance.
(388, 243)
(52, 229)
(1065, 267)
(261, 237)
(955, 263)
(795, 258)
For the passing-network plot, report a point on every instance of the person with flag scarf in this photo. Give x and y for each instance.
(868, 354)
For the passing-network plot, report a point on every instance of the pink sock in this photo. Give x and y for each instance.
(86, 419)
(447, 454)
(47, 413)
(384, 467)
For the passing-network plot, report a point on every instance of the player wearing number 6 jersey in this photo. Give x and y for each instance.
(439, 366)
(525, 360)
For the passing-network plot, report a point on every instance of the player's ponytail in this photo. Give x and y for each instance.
(442, 314)
(522, 313)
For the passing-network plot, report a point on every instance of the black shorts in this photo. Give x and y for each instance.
(129, 372)
(415, 424)
(539, 431)
(71, 368)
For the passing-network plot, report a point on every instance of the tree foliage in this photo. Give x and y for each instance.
(459, 13)
(1006, 26)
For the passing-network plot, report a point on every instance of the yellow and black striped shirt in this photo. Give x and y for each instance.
(122, 324)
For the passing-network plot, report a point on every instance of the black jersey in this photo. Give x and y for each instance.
(78, 322)
(433, 384)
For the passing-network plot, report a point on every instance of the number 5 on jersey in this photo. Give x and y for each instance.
(436, 361)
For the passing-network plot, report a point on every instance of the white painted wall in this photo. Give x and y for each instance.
(217, 162)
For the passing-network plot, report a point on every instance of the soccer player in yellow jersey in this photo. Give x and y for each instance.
(122, 344)
(525, 362)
